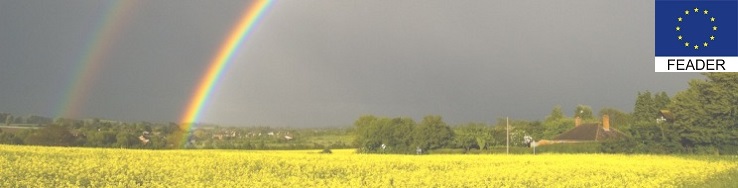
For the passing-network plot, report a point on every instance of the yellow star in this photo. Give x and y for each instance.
(705, 11)
(686, 12)
(712, 19)
(680, 37)
(696, 47)
(712, 37)
(686, 44)
(678, 29)
(680, 19)
(705, 44)
(714, 28)
(696, 9)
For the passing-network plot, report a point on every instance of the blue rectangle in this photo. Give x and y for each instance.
(700, 34)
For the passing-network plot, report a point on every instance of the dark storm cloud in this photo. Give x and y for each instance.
(316, 63)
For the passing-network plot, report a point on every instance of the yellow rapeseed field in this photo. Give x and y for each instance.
(29, 166)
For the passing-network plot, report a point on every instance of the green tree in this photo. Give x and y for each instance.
(645, 109)
(178, 135)
(474, 134)
(97, 138)
(464, 138)
(661, 100)
(365, 130)
(51, 135)
(618, 119)
(8, 120)
(395, 134)
(432, 133)
(552, 127)
(9, 138)
(126, 139)
(4, 116)
(519, 129)
(584, 112)
(555, 128)
(556, 114)
(706, 114)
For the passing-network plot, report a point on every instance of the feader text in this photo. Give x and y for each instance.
(695, 64)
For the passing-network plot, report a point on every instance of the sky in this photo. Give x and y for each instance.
(325, 63)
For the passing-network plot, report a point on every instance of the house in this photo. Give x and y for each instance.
(143, 139)
(225, 134)
(665, 116)
(589, 132)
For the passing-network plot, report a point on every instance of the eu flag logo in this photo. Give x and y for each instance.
(696, 28)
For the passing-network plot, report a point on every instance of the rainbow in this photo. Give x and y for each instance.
(96, 50)
(238, 34)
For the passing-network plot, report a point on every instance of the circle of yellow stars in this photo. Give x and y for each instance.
(684, 39)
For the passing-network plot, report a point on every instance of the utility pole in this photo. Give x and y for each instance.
(507, 141)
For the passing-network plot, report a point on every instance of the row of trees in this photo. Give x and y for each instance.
(705, 119)
(113, 134)
(702, 119)
(94, 135)
(401, 135)
(9, 119)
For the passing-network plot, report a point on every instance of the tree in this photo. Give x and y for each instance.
(464, 138)
(555, 124)
(432, 133)
(384, 135)
(9, 138)
(97, 138)
(661, 100)
(474, 134)
(556, 114)
(400, 134)
(584, 112)
(396, 134)
(126, 139)
(178, 136)
(706, 114)
(555, 128)
(8, 120)
(4, 116)
(199, 134)
(365, 133)
(519, 129)
(618, 119)
(645, 108)
(51, 135)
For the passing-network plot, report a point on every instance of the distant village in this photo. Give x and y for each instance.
(94, 132)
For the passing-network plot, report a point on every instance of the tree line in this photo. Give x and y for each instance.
(701, 119)
(403, 135)
(145, 135)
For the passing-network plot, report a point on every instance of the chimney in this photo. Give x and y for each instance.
(606, 122)
(577, 121)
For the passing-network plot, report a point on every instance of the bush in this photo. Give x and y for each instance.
(326, 151)
(588, 147)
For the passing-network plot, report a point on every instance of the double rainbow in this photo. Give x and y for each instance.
(237, 36)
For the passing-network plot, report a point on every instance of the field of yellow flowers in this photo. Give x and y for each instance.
(30, 166)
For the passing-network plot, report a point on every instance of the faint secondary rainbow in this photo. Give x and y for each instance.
(237, 36)
(95, 51)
